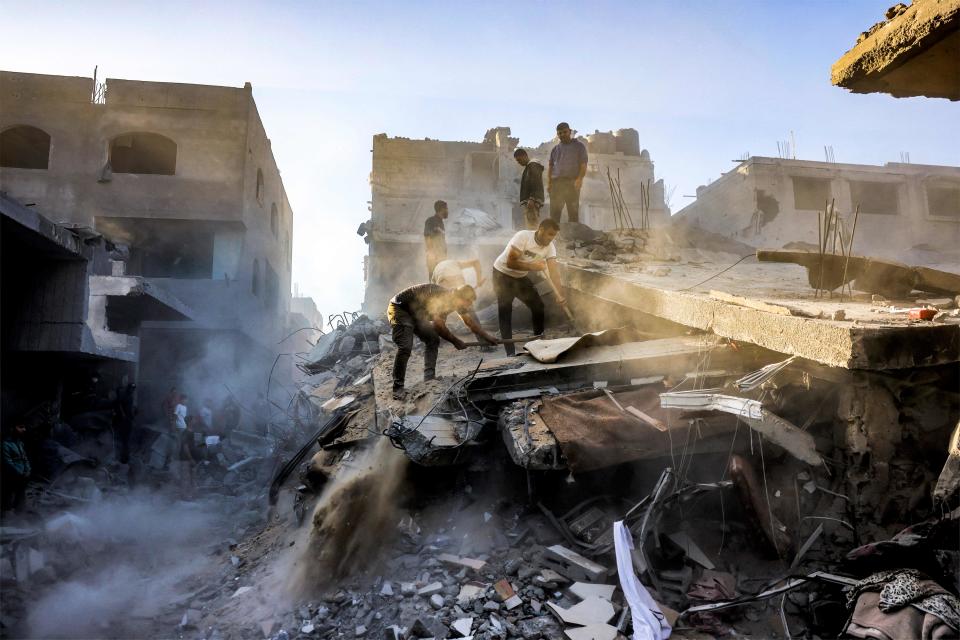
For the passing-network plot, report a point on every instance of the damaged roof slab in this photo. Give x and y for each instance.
(862, 344)
(916, 52)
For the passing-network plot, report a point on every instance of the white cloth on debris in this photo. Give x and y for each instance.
(181, 413)
(649, 623)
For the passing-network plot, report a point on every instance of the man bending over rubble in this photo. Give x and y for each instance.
(421, 310)
(527, 251)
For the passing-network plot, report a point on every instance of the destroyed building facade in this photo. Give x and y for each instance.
(772, 202)
(480, 181)
(184, 176)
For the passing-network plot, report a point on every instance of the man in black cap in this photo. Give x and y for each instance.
(434, 236)
(568, 166)
(421, 310)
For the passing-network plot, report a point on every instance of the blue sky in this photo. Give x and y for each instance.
(702, 82)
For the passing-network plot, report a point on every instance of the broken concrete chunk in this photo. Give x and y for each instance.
(430, 589)
(506, 593)
(593, 610)
(437, 601)
(584, 590)
(462, 626)
(573, 565)
(470, 592)
(592, 632)
(408, 588)
(241, 591)
(470, 563)
(386, 589)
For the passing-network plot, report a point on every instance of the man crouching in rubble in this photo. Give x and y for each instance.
(421, 310)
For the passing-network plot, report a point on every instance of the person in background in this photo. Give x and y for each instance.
(206, 415)
(168, 407)
(230, 416)
(16, 469)
(435, 236)
(527, 251)
(180, 413)
(421, 311)
(568, 166)
(531, 188)
(449, 273)
(124, 411)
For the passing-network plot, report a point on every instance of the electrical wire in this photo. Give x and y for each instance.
(749, 255)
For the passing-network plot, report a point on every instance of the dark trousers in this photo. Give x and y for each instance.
(14, 491)
(507, 288)
(563, 191)
(405, 326)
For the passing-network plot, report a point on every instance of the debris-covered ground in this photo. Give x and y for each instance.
(632, 483)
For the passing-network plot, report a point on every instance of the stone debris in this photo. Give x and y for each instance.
(573, 565)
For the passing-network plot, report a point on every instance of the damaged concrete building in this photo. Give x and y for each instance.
(65, 311)
(480, 183)
(773, 203)
(184, 177)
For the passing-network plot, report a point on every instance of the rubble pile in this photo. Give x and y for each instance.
(635, 246)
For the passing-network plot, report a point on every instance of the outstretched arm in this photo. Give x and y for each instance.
(474, 326)
(554, 272)
(440, 324)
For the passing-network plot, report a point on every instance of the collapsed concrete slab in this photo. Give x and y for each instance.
(915, 52)
(860, 341)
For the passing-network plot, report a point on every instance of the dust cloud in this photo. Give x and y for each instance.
(357, 511)
(128, 558)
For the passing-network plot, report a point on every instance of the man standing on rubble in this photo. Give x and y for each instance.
(568, 166)
(435, 236)
(421, 311)
(527, 251)
(531, 188)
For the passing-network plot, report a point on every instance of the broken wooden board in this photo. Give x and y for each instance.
(573, 565)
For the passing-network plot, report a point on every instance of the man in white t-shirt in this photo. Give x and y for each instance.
(527, 251)
(449, 273)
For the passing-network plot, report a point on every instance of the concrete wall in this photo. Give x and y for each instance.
(757, 202)
(221, 144)
(407, 176)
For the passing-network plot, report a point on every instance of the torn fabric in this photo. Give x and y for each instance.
(649, 623)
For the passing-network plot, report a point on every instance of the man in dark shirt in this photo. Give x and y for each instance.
(531, 188)
(434, 236)
(568, 166)
(421, 310)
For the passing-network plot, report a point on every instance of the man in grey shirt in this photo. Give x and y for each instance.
(568, 166)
